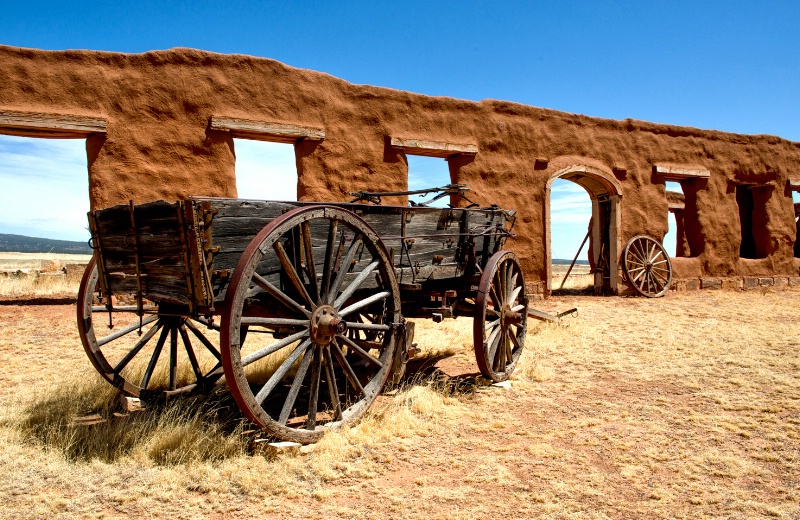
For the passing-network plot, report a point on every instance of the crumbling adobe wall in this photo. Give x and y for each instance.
(159, 145)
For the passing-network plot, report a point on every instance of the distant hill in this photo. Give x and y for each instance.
(564, 261)
(23, 244)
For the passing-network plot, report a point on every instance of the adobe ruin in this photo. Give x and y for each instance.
(160, 125)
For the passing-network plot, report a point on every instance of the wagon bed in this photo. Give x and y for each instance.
(319, 292)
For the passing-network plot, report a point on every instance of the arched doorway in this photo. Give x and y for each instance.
(605, 192)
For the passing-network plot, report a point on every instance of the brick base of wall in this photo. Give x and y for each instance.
(536, 290)
(737, 284)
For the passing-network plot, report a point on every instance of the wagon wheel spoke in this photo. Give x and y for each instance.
(508, 288)
(187, 344)
(357, 349)
(492, 324)
(330, 377)
(173, 357)
(291, 272)
(201, 337)
(276, 322)
(364, 303)
(316, 372)
(310, 268)
(136, 348)
(500, 317)
(270, 349)
(148, 373)
(493, 342)
(279, 295)
(330, 258)
(495, 299)
(344, 266)
(348, 371)
(288, 405)
(355, 308)
(637, 253)
(127, 330)
(661, 277)
(282, 370)
(355, 284)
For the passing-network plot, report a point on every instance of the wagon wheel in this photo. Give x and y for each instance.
(167, 354)
(313, 275)
(647, 266)
(501, 311)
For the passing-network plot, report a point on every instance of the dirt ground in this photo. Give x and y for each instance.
(686, 406)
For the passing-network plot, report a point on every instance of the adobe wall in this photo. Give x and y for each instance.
(158, 145)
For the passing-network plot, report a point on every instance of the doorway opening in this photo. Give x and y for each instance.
(581, 228)
(265, 170)
(428, 172)
(570, 225)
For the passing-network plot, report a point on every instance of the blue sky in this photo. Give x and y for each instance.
(732, 65)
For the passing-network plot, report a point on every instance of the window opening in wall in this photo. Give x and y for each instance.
(744, 198)
(46, 187)
(674, 239)
(570, 219)
(796, 201)
(752, 201)
(427, 172)
(265, 170)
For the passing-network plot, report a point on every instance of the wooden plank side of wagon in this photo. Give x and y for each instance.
(147, 245)
(235, 222)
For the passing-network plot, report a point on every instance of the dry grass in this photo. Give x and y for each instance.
(682, 407)
(579, 278)
(39, 285)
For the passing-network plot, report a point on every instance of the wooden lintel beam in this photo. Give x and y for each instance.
(432, 148)
(266, 130)
(672, 172)
(793, 185)
(677, 206)
(37, 124)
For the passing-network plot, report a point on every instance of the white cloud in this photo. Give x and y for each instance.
(45, 187)
(265, 170)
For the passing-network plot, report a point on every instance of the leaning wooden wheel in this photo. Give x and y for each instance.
(307, 279)
(647, 266)
(501, 314)
(160, 354)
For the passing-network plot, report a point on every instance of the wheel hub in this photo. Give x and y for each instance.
(509, 317)
(325, 324)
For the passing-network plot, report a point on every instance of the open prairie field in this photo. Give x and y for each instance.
(686, 406)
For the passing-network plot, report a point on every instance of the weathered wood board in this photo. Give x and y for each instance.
(184, 251)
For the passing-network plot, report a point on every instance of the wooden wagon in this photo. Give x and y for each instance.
(300, 306)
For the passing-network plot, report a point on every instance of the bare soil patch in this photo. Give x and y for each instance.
(685, 406)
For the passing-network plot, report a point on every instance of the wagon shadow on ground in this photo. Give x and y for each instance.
(425, 371)
(84, 421)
